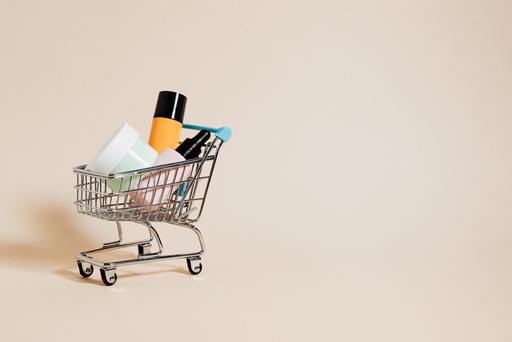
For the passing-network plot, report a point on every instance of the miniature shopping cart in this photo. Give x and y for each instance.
(172, 193)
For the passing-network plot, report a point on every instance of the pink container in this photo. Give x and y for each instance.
(160, 186)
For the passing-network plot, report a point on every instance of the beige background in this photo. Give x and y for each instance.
(365, 195)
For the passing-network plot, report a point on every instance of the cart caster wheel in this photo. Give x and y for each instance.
(86, 271)
(109, 277)
(194, 266)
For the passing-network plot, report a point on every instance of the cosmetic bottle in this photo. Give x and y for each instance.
(124, 151)
(159, 186)
(167, 121)
(190, 148)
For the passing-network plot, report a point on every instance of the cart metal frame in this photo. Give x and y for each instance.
(187, 185)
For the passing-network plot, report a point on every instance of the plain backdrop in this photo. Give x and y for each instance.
(365, 194)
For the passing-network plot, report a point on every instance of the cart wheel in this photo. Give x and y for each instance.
(85, 272)
(109, 277)
(194, 266)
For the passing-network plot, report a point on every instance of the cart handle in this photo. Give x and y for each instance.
(223, 133)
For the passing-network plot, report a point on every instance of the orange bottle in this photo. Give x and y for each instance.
(167, 121)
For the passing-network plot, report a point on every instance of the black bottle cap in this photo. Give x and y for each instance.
(171, 105)
(190, 148)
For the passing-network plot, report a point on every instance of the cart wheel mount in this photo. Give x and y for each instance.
(85, 269)
(194, 265)
(109, 277)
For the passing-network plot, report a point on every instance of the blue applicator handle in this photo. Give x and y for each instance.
(223, 133)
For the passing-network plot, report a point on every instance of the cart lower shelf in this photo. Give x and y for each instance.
(86, 261)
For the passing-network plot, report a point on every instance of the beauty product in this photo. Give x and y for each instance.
(167, 121)
(159, 186)
(124, 151)
(190, 148)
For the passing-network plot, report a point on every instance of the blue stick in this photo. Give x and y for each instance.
(223, 133)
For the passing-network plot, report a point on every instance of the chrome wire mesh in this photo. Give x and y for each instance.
(173, 193)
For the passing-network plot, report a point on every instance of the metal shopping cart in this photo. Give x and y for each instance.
(172, 193)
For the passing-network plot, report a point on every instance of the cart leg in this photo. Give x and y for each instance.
(108, 268)
(154, 235)
(119, 234)
(144, 249)
(198, 234)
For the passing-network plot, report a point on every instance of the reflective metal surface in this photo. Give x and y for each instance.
(143, 202)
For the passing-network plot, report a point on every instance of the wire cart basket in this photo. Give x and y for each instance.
(171, 193)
